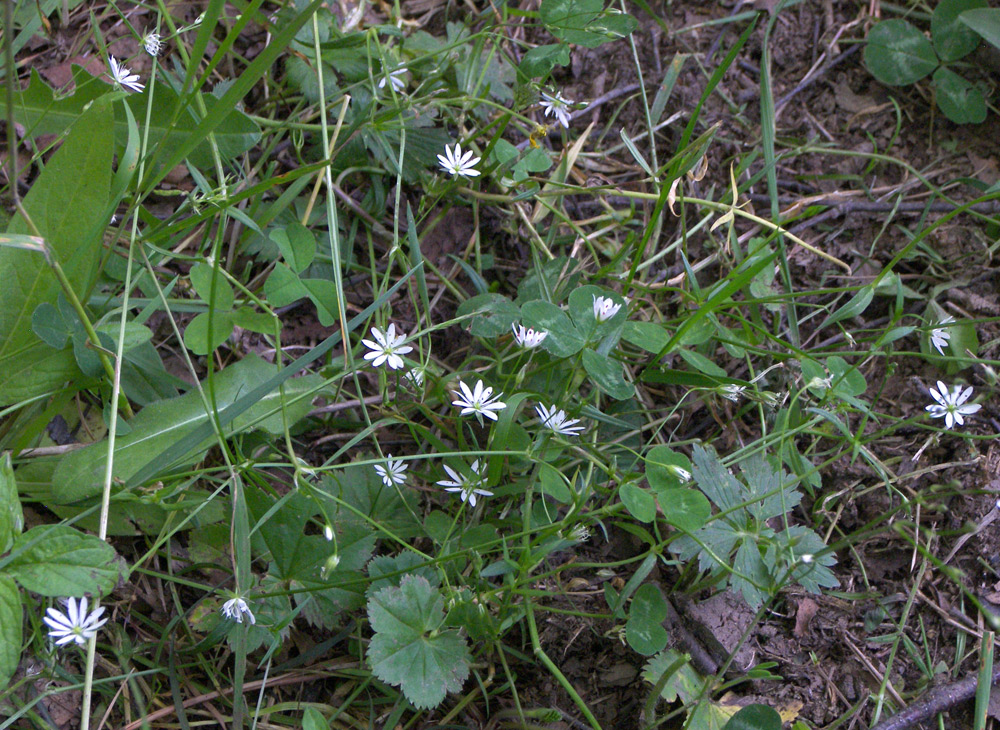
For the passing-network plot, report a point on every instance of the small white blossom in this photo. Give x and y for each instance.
(236, 608)
(123, 76)
(392, 77)
(732, 392)
(415, 376)
(386, 348)
(328, 531)
(467, 488)
(951, 404)
(680, 472)
(152, 44)
(556, 106)
(579, 533)
(394, 471)
(527, 337)
(479, 401)
(556, 420)
(941, 334)
(76, 625)
(605, 308)
(457, 164)
(806, 558)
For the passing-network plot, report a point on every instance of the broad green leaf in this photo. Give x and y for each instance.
(553, 483)
(201, 275)
(953, 38)
(607, 375)
(538, 62)
(358, 486)
(685, 508)
(42, 111)
(11, 515)
(985, 21)
(197, 337)
(684, 683)
(581, 309)
(638, 502)
(537, 160)
(701, 364)
(80, 474)
(644, 628)
(296, 555)
(313, 720)
(854, 307)
(297, 245)
(254, 321)
(11, 619)
(961, 101)
(283, 286)
(845, 378)
(564, 338)
(66, 203)
(584, 22)
(323, 294)
(494, 314)
(385, 570)
(712, 477)
(409, 650)
(898, 54)
(58, 560)
(755, 717)
(667, 469)
(750, 577)
(650, 336)
(51, 327)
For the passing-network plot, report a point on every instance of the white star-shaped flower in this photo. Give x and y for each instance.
(415, 376)
(394, 471)
(123, 77)
(457, 164)
(236, 608)
(393, 77)
(386, 348)
(76, 625)
(605, 308)
(152, 44)
(467, 488)
(950, 404)
(528, 338)
(732, 392)
(479, 401)
(941, 334)
(556, 420)
(556, 106)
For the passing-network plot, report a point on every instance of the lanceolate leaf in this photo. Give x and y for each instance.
(58, 560)
(80, 474)
(10, 628)
(41, 112)
(11, 516)
(66, 204)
